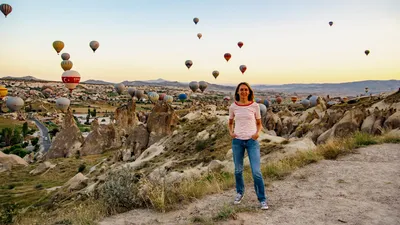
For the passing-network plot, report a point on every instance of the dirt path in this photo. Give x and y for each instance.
(357, 189)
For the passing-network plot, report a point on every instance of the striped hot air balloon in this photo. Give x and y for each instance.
(5, 9)
(71, 79)
(3, 92)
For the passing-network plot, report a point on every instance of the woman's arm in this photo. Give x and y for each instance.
(259, 127)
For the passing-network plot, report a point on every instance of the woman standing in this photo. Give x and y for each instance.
(246, 114)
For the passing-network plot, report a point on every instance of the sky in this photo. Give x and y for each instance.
(285, 41)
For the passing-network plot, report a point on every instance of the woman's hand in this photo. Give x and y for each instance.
(255, 136)
(233, 135)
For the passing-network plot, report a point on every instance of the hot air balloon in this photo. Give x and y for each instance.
(279, 99)
(161, 97)
(58, 46)
(66, 65)
(258, 100)
(168, 99)
(293, 98)
(119, 88)
(345, 99)
(188, 63)
(153, 96)
(305, 103)
(71, 79)
(227, 98)
(5, 9)
(240, 44)
(313, 100)
(215, 73)
(203, 85)
(199, 35)
(263, 109)
(65, 56)
(266, 103)
(139, 94)
(182, 97)
(330, 23)
(243, 68)
(94, 45)
(227, 56)
(366, 52)
(14, 103)
(131, 91)
(63, 104)
(194, 85)
(3, 92)
(196, 20)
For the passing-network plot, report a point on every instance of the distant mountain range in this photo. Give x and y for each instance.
(348, 88)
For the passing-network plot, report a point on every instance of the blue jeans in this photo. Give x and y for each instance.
(253, 151)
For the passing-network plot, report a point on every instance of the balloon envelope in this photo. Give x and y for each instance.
(94, 45)
(5, 9)
(168, 99)
(305, 103)
(203, 85)
(330, 23)
(182, 97)
(263, 109)
(199, 35)
(66, 65)
(62, 104)
(120, 87)
(153, 96)
(194, 85)
(243, 68)
(3, 91)
(131, 91)
(215, 73)
(266, 103)
(58, 46)
(71, 79)
(196, 20)
(139, 94)
(366, 52)
(313, 100)
(188, 63)
(14, 103)
(65, 56)
(240, 44)
(227, 56)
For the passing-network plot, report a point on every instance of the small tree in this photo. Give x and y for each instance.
(93, 113)
(88, 112)
(25, 129)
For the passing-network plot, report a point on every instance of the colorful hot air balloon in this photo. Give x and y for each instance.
(196, 20)
(161, 97)
(215, 73)
(227, 98)
(3, 92)
(14, 103)
(65, 56)
(168, 99)
(227, 56)
(182, 97)
(313, 100)
(199, 35)
(366, 52)
(203, 85)
(71, 79)
(240, 44)
(153, 96)
(66, 65)
(119, 88)
(279, 99)
(131, 91)
(263, 109)
(330, 23)
(5, 9)
(94, 45)
(188, 63)
(194, 85)
(58, 46)
(243, 68)
(293, 98)
(63, 104)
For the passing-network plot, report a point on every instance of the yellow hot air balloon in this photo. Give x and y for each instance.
(3, 91)
(66, 65)
(58, 46)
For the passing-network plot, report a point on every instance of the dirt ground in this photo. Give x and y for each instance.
(358, 189)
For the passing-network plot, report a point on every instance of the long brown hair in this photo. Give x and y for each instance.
(251, 95)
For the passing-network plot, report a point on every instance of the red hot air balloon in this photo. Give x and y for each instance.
(71, 79)
(240, 44)
(227, 56)
(5, 9)
(243, 68)
(279, 99)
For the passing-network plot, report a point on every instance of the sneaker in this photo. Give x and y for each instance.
(238, 198)
(264, 205)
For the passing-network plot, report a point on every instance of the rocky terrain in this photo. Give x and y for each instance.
(167, 146)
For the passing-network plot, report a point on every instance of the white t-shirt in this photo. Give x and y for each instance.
(245, 119)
